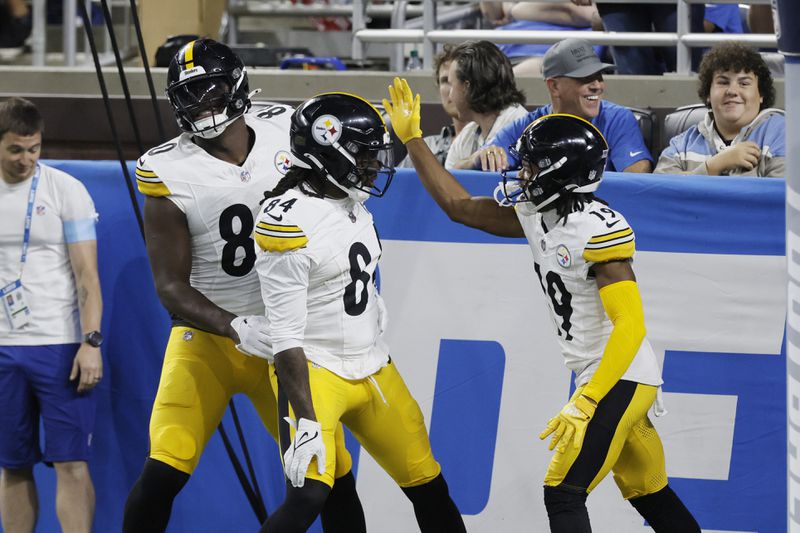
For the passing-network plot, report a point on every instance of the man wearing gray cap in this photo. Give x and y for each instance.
(574, 77)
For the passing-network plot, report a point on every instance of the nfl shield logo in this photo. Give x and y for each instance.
(40, 210)
(244, 176)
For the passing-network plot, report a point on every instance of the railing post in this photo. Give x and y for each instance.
(683, 52)
(233, 23)
(398, 21)
(69, 38)
(429, 24)
(38, 31)
(358, 23)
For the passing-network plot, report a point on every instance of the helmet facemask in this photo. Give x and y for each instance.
(372, 166)
(207, 105)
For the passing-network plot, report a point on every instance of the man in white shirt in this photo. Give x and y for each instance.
(50, 341)
(485, 95)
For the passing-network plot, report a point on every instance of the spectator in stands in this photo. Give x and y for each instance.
(741, 134)
(50, 358)
(574, 77)
(722, 18)
(15, 23)
(440, 143)
(760, 19)
(485, 94)
(537, 16)
(645, 18)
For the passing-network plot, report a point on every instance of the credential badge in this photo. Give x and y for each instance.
(326, 130)
(563, 257)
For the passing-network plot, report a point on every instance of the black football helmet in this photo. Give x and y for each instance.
(344, 138)
(207, 87)
(566, 154)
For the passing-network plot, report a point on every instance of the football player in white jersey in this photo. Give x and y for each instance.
(582, 252)
(202, 191)
(318, 253)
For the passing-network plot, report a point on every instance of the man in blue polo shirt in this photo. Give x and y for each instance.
(574, 77)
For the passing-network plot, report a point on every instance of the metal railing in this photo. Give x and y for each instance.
(429, 36)
(284, 8)
(70, 33)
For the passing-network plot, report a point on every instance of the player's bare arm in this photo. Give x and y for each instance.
(291, 366)
(478, 212)
(169, 250)
(612, 272)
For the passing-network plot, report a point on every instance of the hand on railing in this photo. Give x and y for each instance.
(404, 111)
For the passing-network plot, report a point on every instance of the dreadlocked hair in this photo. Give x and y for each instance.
(296, 176)
(569, 203)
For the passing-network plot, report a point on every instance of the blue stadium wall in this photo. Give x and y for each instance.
(469, 333)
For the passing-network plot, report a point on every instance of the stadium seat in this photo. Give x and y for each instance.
(681, 120)
(646, 119)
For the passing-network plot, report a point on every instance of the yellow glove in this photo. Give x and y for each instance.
(403, 111)
(570, 423)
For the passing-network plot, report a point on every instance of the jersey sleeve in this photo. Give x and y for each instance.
(284, 287)
(278, 232)
(610, 237)
(148, 181)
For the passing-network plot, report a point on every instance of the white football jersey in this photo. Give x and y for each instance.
(220, 201)
(563, 255)
(316, 262)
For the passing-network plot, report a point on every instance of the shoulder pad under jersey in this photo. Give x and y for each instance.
(609, 236)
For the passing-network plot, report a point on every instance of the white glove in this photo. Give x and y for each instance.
(307, 443)
(253, 336)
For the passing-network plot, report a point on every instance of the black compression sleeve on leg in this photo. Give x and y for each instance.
(435, 510)
(343, 512)
(149, 503)
(665, 512)
(566, 509)
(299, 509)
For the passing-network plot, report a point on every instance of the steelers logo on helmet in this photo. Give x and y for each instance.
(283, 161)
(326, 130)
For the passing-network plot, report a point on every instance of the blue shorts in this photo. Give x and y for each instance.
(34, 382)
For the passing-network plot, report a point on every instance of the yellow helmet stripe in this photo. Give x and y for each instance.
(188, 55)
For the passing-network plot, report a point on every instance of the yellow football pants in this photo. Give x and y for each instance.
(201, 373)
(620, 438)
(381, 414)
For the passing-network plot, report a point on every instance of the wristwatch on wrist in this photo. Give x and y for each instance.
(93, 338)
